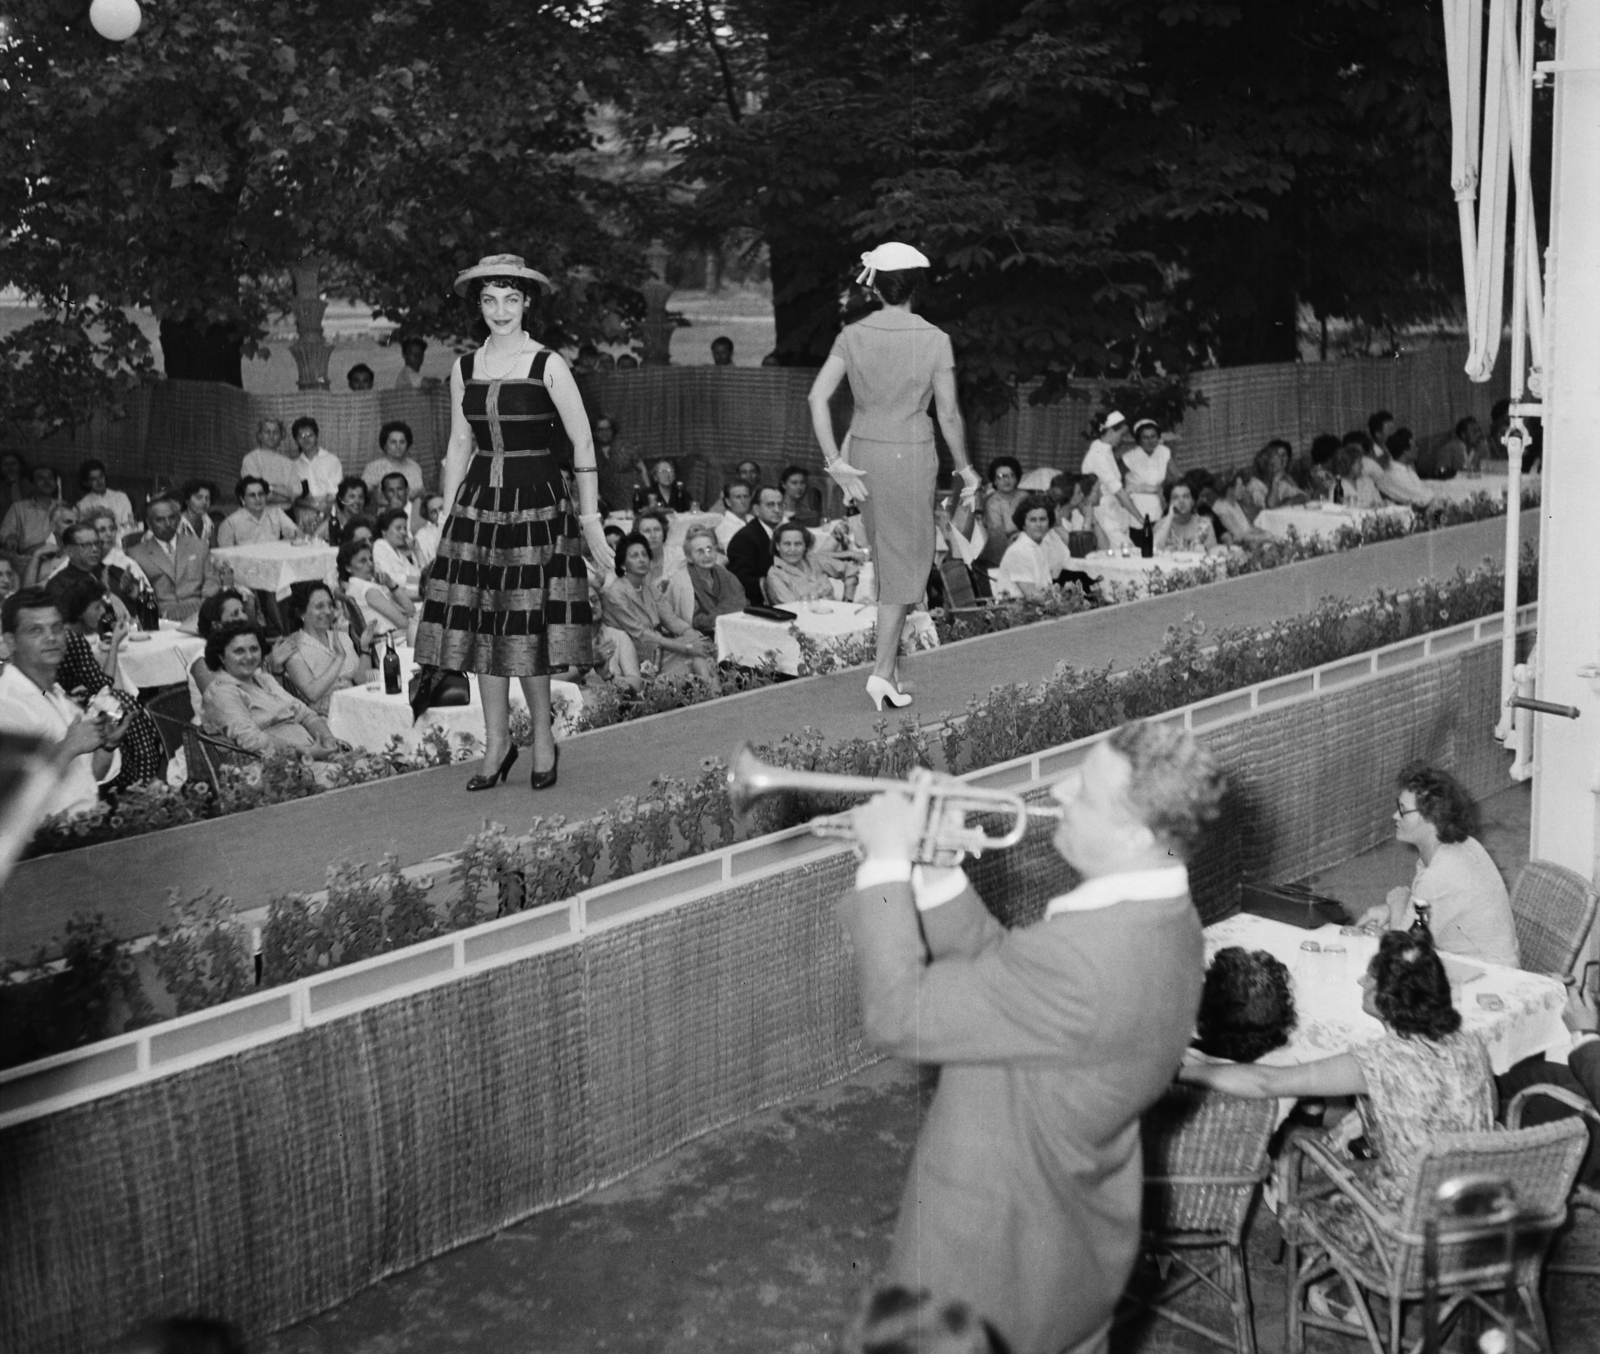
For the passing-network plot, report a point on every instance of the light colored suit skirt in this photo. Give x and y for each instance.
(898, 513)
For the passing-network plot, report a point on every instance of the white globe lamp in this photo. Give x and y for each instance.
(115, 20)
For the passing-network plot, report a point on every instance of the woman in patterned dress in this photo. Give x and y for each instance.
(508, 594)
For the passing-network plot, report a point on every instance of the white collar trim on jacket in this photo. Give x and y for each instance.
(1134, 886)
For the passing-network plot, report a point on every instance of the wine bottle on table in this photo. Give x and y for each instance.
(391, 669)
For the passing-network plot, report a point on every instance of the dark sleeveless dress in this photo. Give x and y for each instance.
(508, 593)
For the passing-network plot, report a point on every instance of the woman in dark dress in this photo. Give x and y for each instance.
(508, 593)
(82, 677)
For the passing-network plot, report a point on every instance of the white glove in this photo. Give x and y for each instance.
(971, 482)
(850, 479)
(594, 537)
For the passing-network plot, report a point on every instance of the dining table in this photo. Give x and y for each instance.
(1324, 521)
(276, 566)
(161, 657)
(1130, 574)
(749, 640)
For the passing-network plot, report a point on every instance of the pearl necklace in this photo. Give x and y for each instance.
(515, 358)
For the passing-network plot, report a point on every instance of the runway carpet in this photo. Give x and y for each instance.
(251, 857)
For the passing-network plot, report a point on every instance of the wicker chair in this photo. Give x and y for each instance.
(207, 754)
(1540, 1163)
(173, 713)
(1553, 908)
(1577, 1248)
(1205, 1154)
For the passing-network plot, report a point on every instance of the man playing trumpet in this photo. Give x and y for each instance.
(1024, 1194)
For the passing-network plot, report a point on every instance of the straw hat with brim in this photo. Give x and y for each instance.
(501, 265)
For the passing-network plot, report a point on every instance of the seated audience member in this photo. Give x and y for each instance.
(389, 548)
(750, 473)
(1183, 528)
(1077, 503)
(394, 491)
(795, 576)
(221, 608)
(961, 535)
(8, 579)
(627, 362)
(620, 471)
(1000, 508)
(700, 589)
(15, 485)
(79, 556)
(631, 603)
(722, 351)
(1462, 450)
(247, 706)
(267, 462)
(1380, 426)
(735, 512)
(88, 668)
(322, 659)
(33, 704)
(1324, 447)
(1146, 469)
(394, 458)
(1469, 909)
(360, 377)
(750, 548)
(797, 506)
(310, 519)
(1037, 557)
(383, 609)
(316, 465)
(124, 577)
(1246, 1005)
(28, 522)
(413, 352)
(1232, 514)
(256, 522)
(196, 497)
(664, 490)
(51, 553)
(836, 552)
(1357, 490)
(179, 567)
(1579, 1076)
(651, 523)
(1399, 482)
(348, 504)
(897, 1320)
(96, 494)
(1272, 469)
(425, 541)
(361, 528)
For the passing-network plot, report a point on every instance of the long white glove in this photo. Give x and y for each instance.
(971, 482)
(849, 479)
(594, 537)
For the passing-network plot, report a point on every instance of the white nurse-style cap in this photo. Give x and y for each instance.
(1113, 420)
(889, 258)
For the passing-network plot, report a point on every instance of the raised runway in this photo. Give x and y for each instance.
(252, 857)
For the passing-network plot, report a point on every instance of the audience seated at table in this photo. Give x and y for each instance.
(1579, 1075)
(1399, 481)
(750, 549)
(49, 555)
(96, 494)
(797, 505)
(311, 519)
(268, 462)
(178, 566)
(349, 503)
(227, 607)
(631, 603)
(1038, 556)
(664, 490)
(28, 522)
(394, 458)
(390, 547)
(247, 706)
(1462, 451)
(1358, 490)
(196, 498)
(652, 524)
(1470, 911)
(121, 574)
(89, 666)
(1000, 508)
(394, 491)
(735, 512)
(1272, 471)
(701, 589)
(321, 658)
(8, 579)
(795, 575)
(1246, 1005)
(961, 534)
(78, 553)
(318, 467)
(256, 522)
(383, 609)
(1183, 528)
(1232, 511)
(1147, 469)
(359, 528)
(425, 540)
(1077, 504)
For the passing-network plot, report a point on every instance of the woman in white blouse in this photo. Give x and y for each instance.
(323, 659)
(1038, 556)
(1118, 513)
(382, 609)
(1146, 467)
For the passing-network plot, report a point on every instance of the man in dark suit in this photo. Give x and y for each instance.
(750, 549)
(179, 567)
(1578, 1076)
(1025, 1190)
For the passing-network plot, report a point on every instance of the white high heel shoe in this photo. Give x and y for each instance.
(879, 690)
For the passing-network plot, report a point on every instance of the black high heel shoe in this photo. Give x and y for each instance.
(489, 782)
(543, 780)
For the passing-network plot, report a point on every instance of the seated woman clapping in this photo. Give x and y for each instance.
(1183, 528)
(322, 658)
(795, 576)
(389, 550)
(701, 589)
(632, 604)
(1035, 560)
(664, 491)
(383, 609)
(247, 706)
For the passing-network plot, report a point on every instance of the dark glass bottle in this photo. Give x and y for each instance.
(391, 669)
(1421, 914)
(1147, 542)
(1338, 491)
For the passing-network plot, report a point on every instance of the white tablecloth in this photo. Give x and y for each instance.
(274, 566)
(367, 718)
(1465, 487)
(1328, 1000)
(1323, 519)
(1131, 573)
(159, 658)
(746, 639)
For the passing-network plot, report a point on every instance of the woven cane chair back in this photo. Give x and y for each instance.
(1553, 909)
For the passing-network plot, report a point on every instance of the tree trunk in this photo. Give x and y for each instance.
(192, 352)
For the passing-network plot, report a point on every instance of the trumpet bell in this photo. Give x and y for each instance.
(749, 779)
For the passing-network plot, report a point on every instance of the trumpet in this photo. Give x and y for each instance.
(946, 839)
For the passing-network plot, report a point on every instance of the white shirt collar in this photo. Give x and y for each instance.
(1135, 886)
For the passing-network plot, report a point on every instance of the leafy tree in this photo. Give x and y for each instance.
(190, 168)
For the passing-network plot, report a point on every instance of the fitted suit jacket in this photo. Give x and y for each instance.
(749, 558)
(184, 581)
(1025, 1191)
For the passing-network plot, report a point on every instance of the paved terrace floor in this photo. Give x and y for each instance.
(764, 1235)
(253, 856)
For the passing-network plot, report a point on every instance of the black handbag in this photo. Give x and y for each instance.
(435, 688)
(771, 613)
